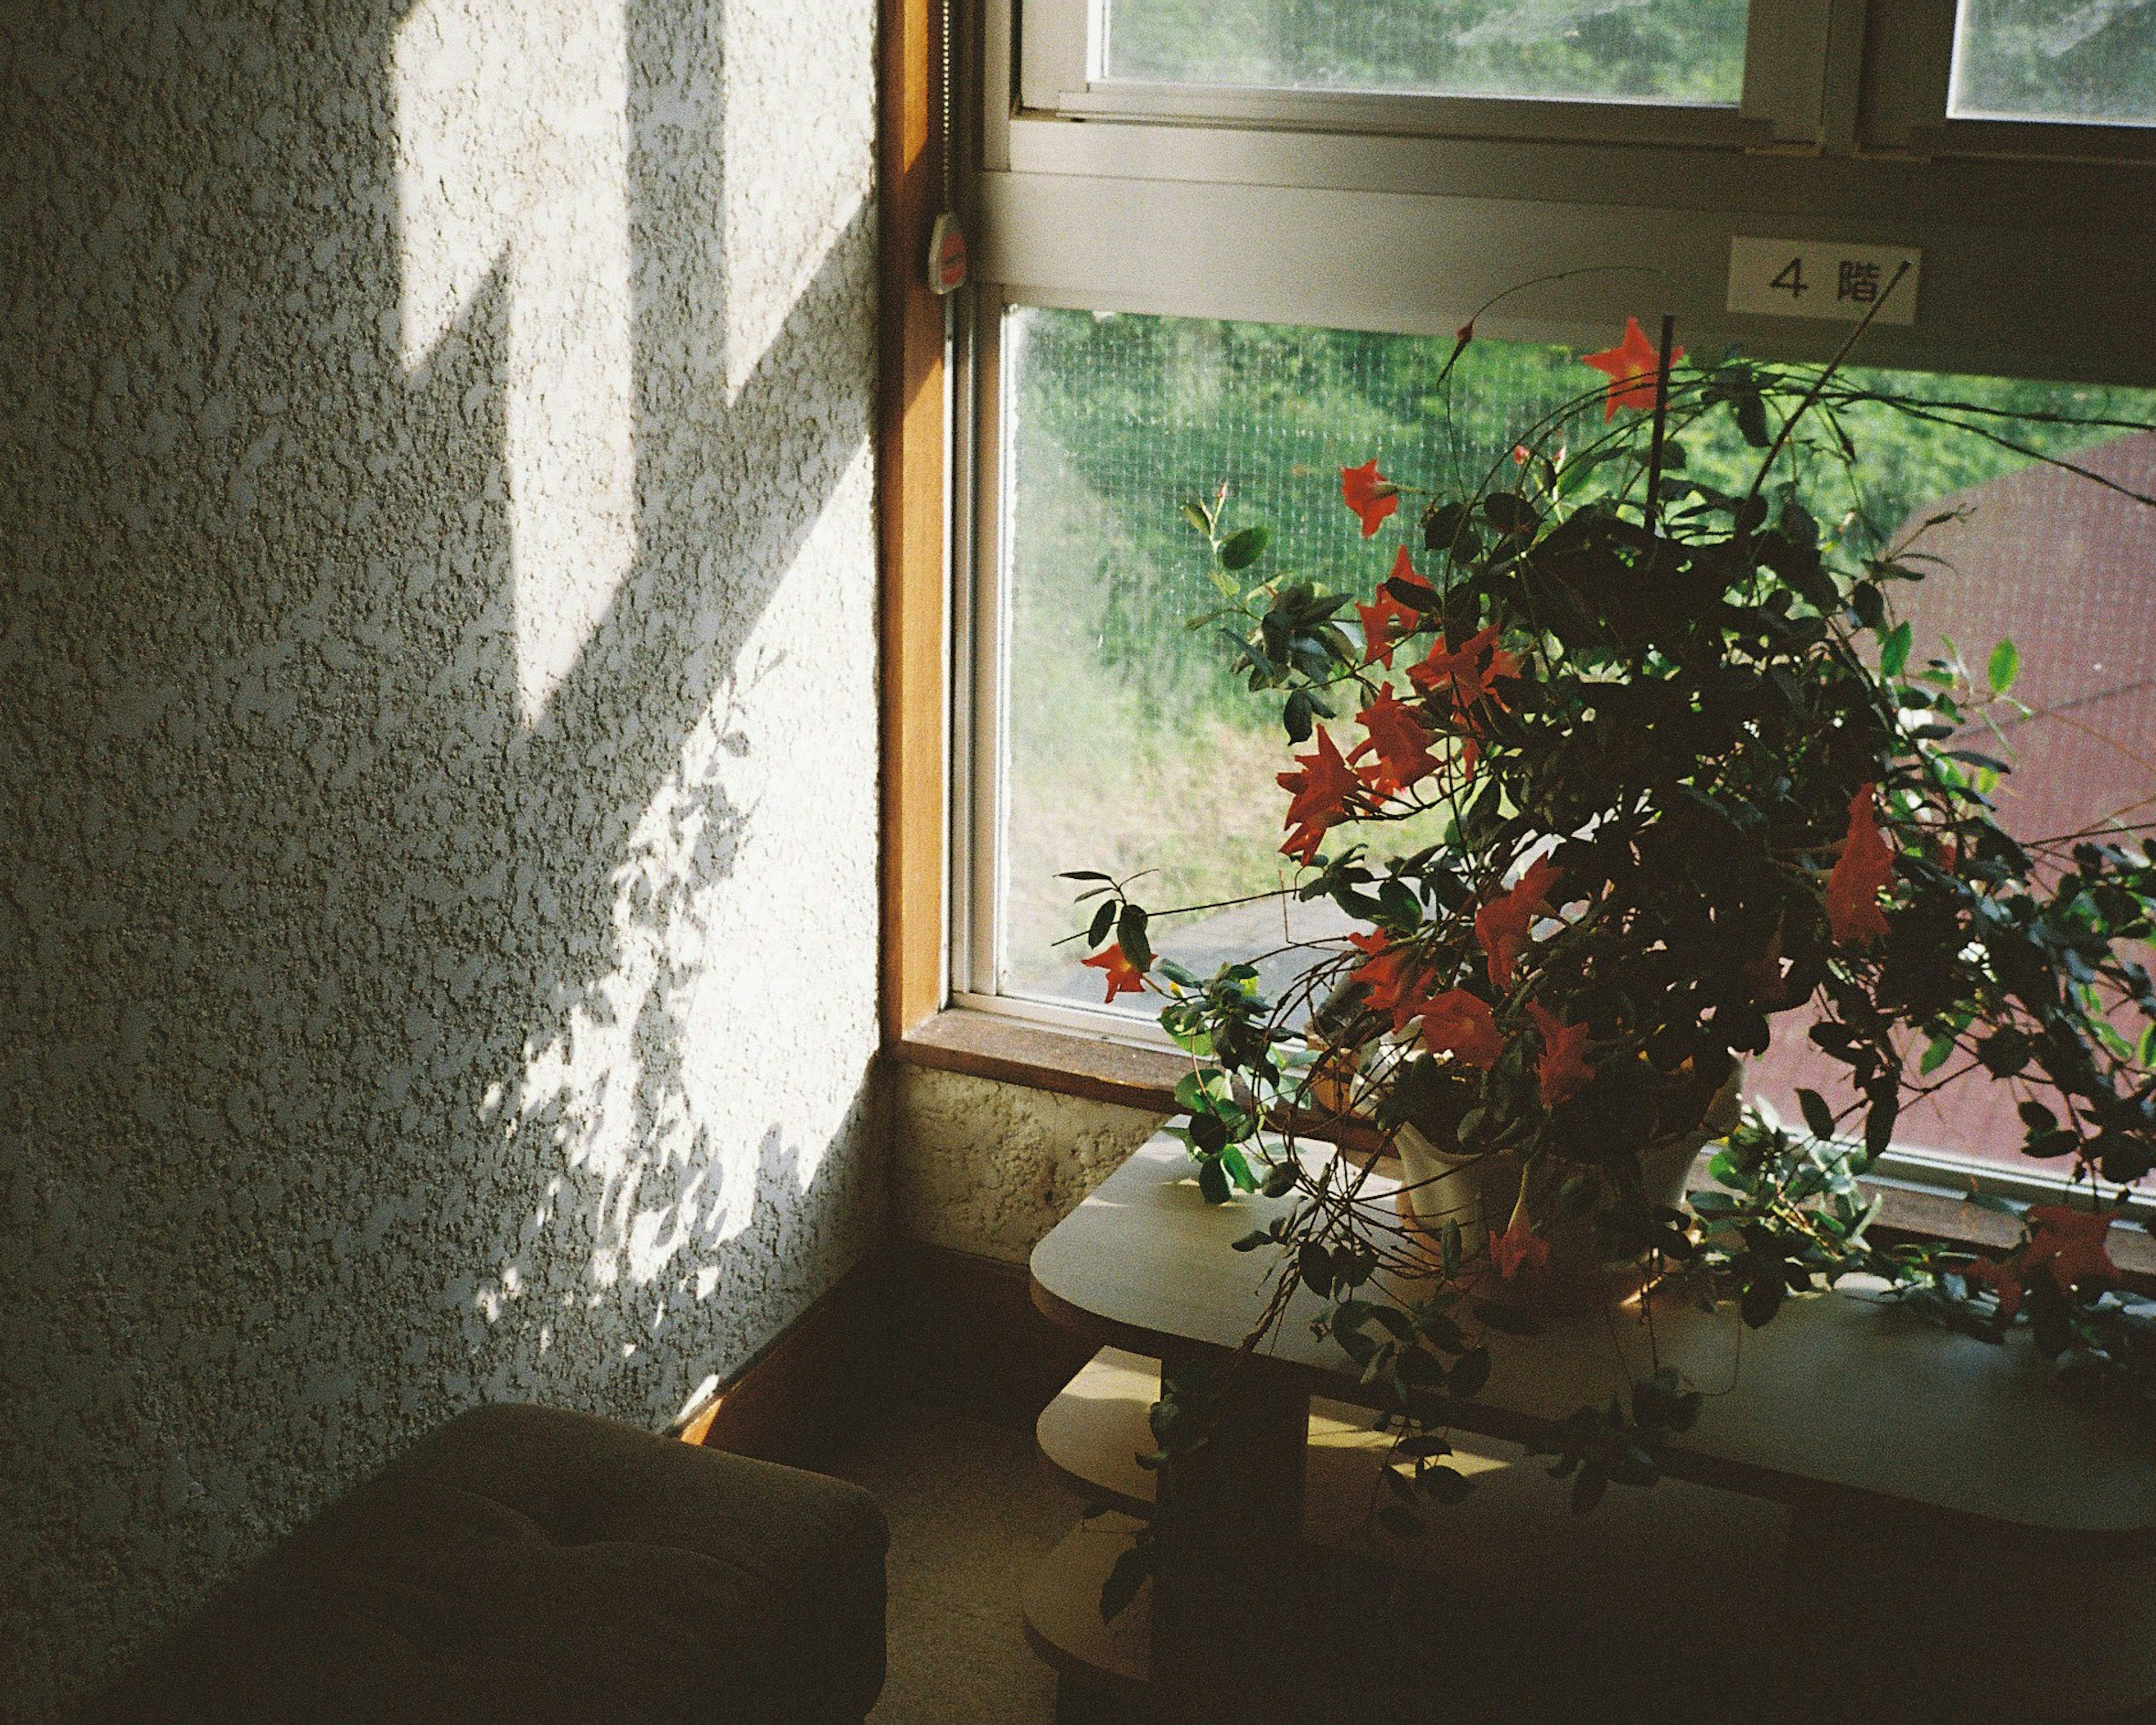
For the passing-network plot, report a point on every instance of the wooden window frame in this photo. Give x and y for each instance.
(913, 423)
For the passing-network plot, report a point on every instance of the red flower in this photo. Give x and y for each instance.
(1390, 977)
(1632, 365)
(1458, 1024)
(1124, 978)
(1563, 1069)
(1321, 793)
(1471, 674)
(1386, 620)
(1864, 868)
(1999, 1277)
(1518, 1248)
(1369, 494)
(1399, 742)
(1506, 923)
(2068, 1245)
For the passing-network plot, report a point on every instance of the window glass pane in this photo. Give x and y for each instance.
(1130, 747)
(1690, 51)
(2073, 60)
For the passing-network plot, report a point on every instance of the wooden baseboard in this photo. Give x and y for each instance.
(942, 1327)
(968, 1338)
(788, 1403)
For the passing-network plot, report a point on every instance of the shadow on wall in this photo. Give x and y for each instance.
(438, 956)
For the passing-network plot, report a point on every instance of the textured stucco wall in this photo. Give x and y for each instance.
(989, 1168)
(437, 744)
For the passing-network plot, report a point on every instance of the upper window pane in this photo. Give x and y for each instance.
(1684, 51)
(2076, 61)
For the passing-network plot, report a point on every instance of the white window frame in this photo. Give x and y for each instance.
(1909, 53)
(1242, 205)
(1061, 73)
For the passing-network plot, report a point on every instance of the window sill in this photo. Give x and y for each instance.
(986, 1045)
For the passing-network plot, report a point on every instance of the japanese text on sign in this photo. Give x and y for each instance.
(1817, 278)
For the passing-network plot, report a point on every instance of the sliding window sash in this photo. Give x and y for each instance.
(1908, 57)
(1060, 74)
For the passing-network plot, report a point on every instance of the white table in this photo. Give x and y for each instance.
(1874, 1429)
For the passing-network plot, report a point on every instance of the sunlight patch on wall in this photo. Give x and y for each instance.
(784, 211)
(512, 156)
(674, 1092)
(664, 1164)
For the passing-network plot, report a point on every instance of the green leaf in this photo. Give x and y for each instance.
(1131, 936)
(2006, 665)
(1252, 1241)
(1510, 513)
(1936, 1052)
(2037, 1117)
(1446, 1485)
(1125, 1576)
(1211, 1180)
(1819, 1118)
(1752, 419)
(1195, 1091)
(1879, 1122)
(1296, 716)
(2005, 1052)
(1104, 919)
(1243, 549)
(1894, 650)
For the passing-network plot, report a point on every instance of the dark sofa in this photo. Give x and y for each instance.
(527, 1564)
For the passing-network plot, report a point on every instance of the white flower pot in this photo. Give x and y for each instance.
(1478, 1192)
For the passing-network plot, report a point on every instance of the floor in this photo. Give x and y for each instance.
(971, 1512)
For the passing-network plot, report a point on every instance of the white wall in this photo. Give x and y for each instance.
(438, 782)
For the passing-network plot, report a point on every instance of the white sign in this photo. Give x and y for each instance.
(1823, 277)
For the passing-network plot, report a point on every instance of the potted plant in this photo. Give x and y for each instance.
(1656, 766)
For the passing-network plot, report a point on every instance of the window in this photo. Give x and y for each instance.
(1230, 243)
(2062, 61)
(1678, 51)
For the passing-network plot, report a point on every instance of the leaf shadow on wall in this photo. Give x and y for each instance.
(377, 1045)
(628, 811)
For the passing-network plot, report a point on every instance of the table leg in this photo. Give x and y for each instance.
(1227, 1582)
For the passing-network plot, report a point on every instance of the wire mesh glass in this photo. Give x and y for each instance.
(1684, 51)
(2084, 62)
(1128, 747)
